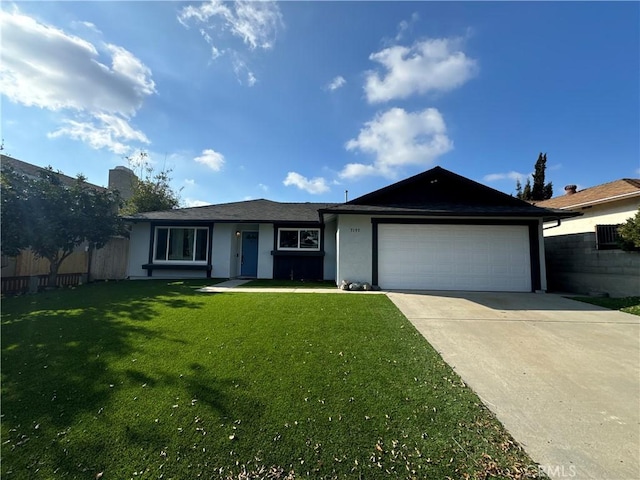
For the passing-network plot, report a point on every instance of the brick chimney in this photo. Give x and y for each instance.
(570, 189)
(121, 179)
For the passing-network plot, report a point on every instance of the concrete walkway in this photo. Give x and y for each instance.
(562, 376)
(236, 285)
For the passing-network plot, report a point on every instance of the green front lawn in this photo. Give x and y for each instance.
(626, 304)
(154, 380)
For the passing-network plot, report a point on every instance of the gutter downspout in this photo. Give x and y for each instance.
(559, 222)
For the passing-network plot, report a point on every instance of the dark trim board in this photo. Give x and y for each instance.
(210, 251)
(534, 255)
(534, 244)
(450, 221)
(169, 266)
(297, 253)
(152, 229)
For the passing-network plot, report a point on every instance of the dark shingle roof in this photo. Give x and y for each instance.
(436, 192)
(34, 171)
(251, 211)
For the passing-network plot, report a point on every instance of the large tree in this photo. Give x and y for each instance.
(151, 191)
(539, 190)
(53, 217)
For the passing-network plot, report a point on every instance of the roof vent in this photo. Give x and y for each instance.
(570, 189)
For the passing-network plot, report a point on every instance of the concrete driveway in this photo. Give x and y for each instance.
(562, 376)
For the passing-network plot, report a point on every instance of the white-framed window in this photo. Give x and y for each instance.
(180, 244)
(298, 239)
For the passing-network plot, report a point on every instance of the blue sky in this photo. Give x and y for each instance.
(300, 101)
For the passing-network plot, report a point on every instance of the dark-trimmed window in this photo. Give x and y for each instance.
(299, 239)
(607, 237)
(180, 244)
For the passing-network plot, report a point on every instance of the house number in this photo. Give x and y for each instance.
(355, 230)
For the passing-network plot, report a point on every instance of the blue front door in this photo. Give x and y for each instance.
(249, 260)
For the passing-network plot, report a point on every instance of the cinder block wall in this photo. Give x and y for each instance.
(574, 265)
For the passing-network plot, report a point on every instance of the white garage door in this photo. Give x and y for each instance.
(454, 257)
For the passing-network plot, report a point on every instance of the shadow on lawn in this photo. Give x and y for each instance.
(56, 352)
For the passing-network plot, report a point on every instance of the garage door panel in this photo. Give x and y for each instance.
(454, 257)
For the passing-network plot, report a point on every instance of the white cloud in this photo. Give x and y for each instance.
(190, 202)
(189, 182)
(428, 66)
(336, 83)
(85, 25)
(241, 70)
(263, 187)
(514, 176)
(43, 66)
(255, 23)
(405, 25)
(397, 139)
(47, 68)
(212, 159)
(314, 186)
(215, 52)
(105, 133)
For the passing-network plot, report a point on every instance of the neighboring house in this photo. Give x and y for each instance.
(583, 255)
(33, 171)
(435, 230)
(108, 262)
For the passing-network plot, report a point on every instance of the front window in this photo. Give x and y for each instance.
(299, 239)
(181, 244)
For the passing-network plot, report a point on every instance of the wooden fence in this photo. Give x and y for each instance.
(110, 262)
(107, 263)
(38, 282)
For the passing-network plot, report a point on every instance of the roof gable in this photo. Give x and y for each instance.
(439, 192)
(437, 186)
(604, 193)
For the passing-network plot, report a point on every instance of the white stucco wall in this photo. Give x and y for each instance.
(353, 246)
(265, 246)
(234, 247)
(606, 214)
(330, 256)
(139, 255)
(221, 244)
(138, 250)
(225, 253)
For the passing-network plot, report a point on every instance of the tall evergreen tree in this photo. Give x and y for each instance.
(539, 190)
